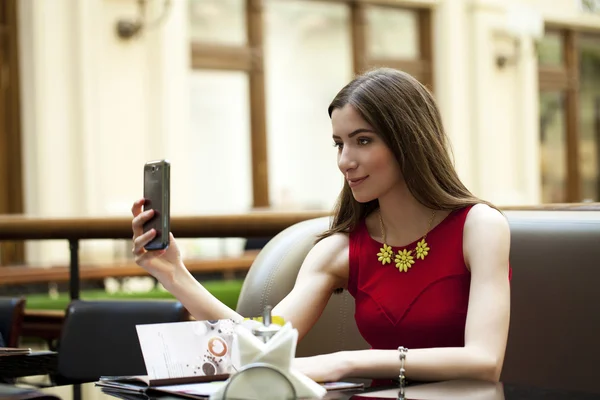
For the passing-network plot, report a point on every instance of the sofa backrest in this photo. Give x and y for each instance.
(555, 301)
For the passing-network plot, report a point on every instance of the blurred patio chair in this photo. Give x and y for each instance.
(12, 311)
(99, 338)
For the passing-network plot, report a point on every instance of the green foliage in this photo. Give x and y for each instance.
(226, 291)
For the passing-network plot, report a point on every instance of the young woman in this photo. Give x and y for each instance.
(426, 261)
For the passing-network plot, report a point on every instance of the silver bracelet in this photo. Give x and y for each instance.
(401, 377)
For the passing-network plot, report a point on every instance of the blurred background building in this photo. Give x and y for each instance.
(235, 93)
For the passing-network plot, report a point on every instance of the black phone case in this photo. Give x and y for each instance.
(157, 196)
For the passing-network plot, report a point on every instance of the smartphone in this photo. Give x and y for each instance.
(156, 196)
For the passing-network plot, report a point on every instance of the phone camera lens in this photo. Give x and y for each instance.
(154, 168)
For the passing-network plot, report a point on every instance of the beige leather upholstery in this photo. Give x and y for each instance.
(555, 307)
(555, 312)
(272, 277)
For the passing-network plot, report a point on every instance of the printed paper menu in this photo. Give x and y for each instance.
(186, 349)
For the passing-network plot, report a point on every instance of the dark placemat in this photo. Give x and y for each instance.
(36, 363)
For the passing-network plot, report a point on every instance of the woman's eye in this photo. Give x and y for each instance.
(338, 145)
(364, 141)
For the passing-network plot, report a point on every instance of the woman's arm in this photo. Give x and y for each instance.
(486, 248)
(324, 269)
(200, 303)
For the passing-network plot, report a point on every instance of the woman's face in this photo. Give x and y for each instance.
(366, 162)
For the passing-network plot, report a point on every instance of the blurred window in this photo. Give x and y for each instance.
(308, 58)
(553, 144)
(569, 76)
(296, 55)
(550, 49)
(220, 120)
(392, 33)
(589, 117)
(218, 21)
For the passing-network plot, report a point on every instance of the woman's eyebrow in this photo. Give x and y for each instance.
(356, 132)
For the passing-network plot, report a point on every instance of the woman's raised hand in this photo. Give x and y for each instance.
(159, 263)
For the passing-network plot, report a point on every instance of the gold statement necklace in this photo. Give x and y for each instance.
(404, 259)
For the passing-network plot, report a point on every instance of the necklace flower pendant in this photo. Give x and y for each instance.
(385, 254)
(404, 260)
(422, 249)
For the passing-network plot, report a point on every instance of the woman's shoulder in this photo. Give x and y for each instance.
(330, 255)
(483, 216)
(486, 235)
(334, 240)
(333, 246)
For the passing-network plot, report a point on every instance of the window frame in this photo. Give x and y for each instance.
(11, 172)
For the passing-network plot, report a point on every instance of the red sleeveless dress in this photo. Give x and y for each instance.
(422, 308)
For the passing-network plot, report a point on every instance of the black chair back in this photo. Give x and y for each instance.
(99, 338)
(12, 311)
(256, 243)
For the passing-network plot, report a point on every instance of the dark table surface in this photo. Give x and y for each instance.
(36, 363)
(468, 390)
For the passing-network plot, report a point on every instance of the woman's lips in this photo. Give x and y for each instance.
(355, 182)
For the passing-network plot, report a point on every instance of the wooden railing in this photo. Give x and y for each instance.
(19, 275)
(257, 224)
(555, 207)
(254, 224)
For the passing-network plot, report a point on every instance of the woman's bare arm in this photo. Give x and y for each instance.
(324, 270)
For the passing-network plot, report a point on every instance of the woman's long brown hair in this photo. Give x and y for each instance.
(404, 114)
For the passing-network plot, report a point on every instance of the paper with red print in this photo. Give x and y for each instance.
(186, 349)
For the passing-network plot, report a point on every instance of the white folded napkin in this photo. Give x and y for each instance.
(278, 353)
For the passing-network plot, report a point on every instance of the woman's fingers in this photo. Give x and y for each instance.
(141, 238)
(137, 207)
(140, 241)
(137, 224)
